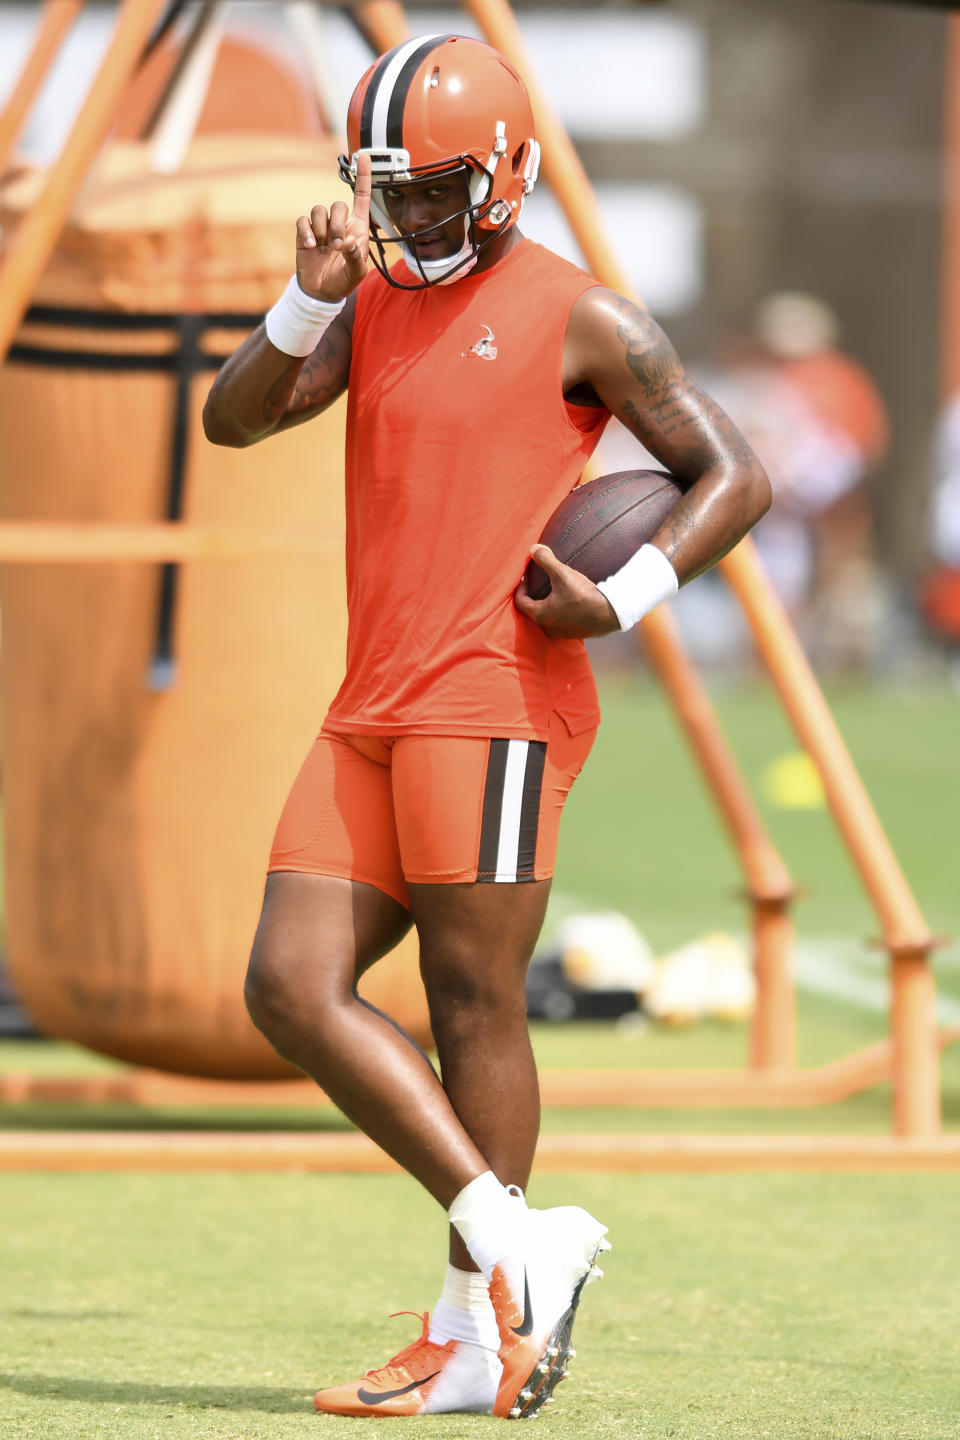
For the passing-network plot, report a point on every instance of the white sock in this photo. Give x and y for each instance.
(485, 1215)
(464, 1311)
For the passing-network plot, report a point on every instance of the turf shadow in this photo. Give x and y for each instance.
(135, 1392)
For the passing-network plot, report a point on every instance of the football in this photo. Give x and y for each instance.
(600, 525)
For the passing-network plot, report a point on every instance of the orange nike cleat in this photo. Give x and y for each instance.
(423, 1379)
(535, 1293)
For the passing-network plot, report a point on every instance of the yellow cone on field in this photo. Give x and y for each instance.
(792, 782)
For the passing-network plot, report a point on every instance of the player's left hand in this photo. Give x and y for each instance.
(574, 610)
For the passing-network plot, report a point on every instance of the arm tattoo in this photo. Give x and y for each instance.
(320, 381)
(697, 430)
(653, 363)
(692, 437)
(304, 387)
(278, 397)
(680, 525)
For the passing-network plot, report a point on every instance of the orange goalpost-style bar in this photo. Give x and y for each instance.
(574, 1089)
(912, 1052)
(768, 885)
(905, 932)
(55, 22)
(289, 1152)
(79, 542)
(913, 1023)
(769, 888)
(913, 1020)
(37, 233)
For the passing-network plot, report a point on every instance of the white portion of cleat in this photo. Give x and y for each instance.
(535, 1290)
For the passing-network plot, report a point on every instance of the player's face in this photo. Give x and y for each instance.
(432, 212)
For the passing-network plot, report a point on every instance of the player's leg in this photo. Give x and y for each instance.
(477, 825)
(477, 933)
(317, 934)
(476, 941)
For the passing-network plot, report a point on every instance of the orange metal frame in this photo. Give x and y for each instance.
(570, 1089)
(24, 542)
(619, 1154)
(55, 23)
(37, 234)
(910, 1058)
(914, 1055)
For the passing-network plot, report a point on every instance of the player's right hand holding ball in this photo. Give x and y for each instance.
(332, 247)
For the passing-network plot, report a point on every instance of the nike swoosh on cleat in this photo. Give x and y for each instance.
(370, 1397)
(525, 1327)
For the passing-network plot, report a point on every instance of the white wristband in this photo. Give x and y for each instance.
(297, 321)
(640, 585)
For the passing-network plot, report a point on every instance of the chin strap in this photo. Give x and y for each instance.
(437, 272)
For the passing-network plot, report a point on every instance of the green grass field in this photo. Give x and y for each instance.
(641, 833)
(142, 1306)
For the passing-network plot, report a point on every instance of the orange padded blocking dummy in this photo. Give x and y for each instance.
(139, 819)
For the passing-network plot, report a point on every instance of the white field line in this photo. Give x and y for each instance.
(829, 965)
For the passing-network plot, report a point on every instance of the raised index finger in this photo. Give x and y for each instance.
(361, 190)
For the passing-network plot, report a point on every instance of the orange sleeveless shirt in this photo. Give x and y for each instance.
(460, 445)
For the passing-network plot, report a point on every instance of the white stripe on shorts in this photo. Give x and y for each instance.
(509, 846)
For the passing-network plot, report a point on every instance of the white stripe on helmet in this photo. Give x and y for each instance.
(381, 105)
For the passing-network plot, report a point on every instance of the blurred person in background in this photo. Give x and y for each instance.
(940, 588)
(819, 424)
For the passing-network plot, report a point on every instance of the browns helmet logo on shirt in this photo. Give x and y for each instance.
(481, 342)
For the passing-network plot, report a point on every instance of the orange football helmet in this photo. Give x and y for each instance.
(435, 106)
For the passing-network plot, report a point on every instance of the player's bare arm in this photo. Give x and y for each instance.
(261, 389)
(615, 346)
(615, 349)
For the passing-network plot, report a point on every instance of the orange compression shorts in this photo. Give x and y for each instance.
(429, 809)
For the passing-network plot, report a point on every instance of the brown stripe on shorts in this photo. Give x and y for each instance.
(511, 810)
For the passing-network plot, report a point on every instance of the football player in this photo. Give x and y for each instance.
(480, 370)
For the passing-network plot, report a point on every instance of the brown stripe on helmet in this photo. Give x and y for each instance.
(369, 100)
(402, 88)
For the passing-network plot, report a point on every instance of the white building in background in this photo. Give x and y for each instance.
(635, 76)
(614, 76)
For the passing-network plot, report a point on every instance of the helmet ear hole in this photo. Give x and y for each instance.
(517, 160)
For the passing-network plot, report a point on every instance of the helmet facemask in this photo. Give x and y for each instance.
(483, 219)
